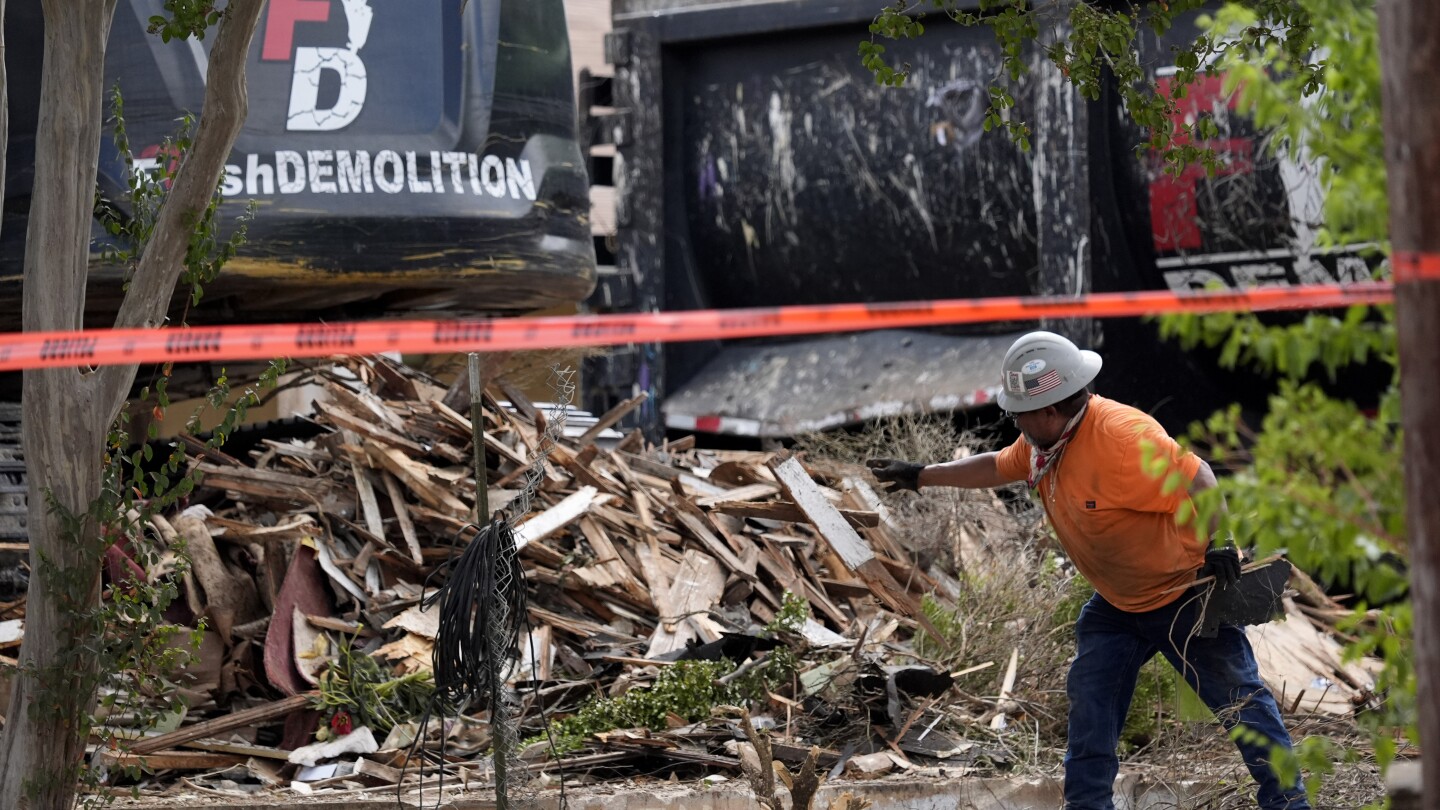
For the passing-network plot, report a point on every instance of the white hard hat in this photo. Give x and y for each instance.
(1043, 368)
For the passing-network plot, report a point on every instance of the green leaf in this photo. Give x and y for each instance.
(1173, 481)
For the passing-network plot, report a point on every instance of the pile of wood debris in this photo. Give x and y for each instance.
(316, 551)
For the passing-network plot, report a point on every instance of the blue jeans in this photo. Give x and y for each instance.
(1112, 645)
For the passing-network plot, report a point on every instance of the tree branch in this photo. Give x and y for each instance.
(163, 263)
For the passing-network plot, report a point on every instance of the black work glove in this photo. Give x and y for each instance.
(898, 474)
(1223, 564)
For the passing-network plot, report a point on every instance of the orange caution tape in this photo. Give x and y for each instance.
(1409, 267)
(120, 346)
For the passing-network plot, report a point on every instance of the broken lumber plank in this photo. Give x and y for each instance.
(641, 613)
(786, 540)
(677, 754)
(741, 473)
(659, 572)
(749, 492)
(238, 748)
(748, 552)
(680, 502)
(609, 558)
(364, 404)
(696, 589)
(519, 401)
(339, 625)
(595, 576)
(789, 512)
(823, 554)
(861, 495)
(579, 468)
(416, 477)
(636, 662)
(234, 531)
(1003, 704)
(845, 590)
(294, 449)
(586, 599)
(853, 551)
(610, 417)
(492, 442)
(402, 517)
(537, 552)
(571, 764)
(537, 654)
(713, 544)
(576, 627)
(694, 483)
(679, 445)
(347, 421)
(641, 516)
(648, 527)
(377, 771)
(833, 527)
(776, 563)
(171, 760)
(914, 580)
(229, 722)
(444, 524)
(558, 516)
(764, 591)
(796, 754)
(400, 564)
(395, 377)
(361, 533)
(1311, 592)
(262, 483)
(365, 488)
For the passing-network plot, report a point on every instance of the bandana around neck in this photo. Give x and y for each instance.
(1041, 461)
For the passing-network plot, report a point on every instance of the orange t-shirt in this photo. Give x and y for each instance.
(1112, 518)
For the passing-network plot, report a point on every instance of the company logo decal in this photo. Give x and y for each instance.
(328, 89)
(388, 171)
(312, 63)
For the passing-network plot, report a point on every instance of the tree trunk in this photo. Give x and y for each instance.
(40, 745)
(68, 412)
(1410, 61)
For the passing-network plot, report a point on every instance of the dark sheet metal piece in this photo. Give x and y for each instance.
(1254, 599)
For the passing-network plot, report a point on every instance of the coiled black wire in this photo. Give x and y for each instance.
(485, 589)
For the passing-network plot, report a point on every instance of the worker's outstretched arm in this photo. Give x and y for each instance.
(974, 472)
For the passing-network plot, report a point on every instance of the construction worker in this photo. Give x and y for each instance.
(1082, 455)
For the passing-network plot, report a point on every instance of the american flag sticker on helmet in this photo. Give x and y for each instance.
(1045, 382)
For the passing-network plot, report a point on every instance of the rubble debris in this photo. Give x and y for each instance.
(774, 580)
(359, 741)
